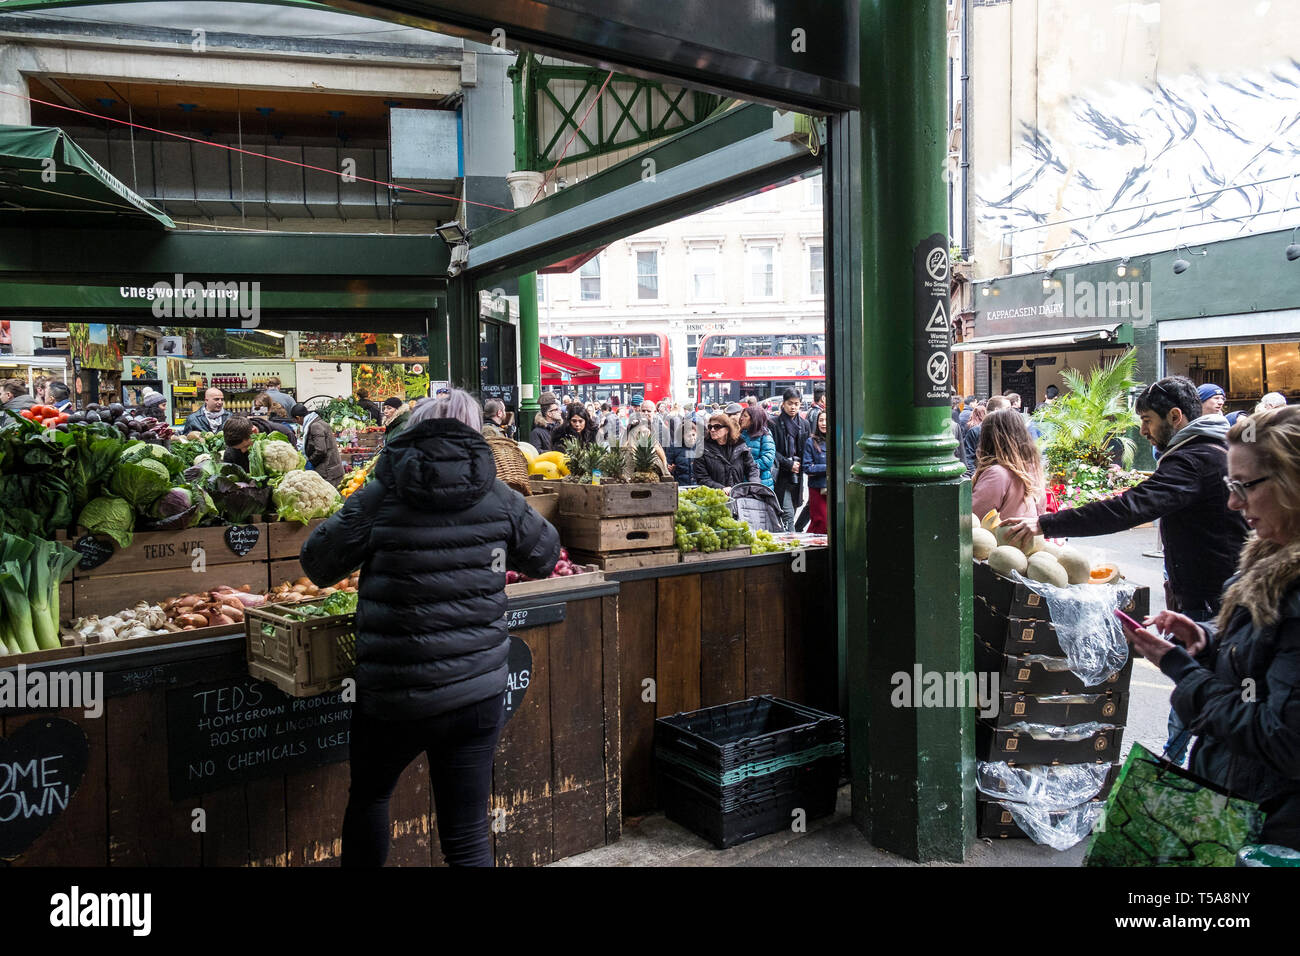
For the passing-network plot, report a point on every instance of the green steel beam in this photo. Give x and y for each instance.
(908, 534)
(29, 6)
(721, 159)
(130, 252)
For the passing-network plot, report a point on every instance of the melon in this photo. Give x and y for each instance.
(1004, 559)
(1045, 568)
(1004, 538)
(1077, 568)
(529, 451)
(1053, 549)
(982, 543)
(1104, 574)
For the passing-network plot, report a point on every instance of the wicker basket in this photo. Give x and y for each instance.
(512, 466)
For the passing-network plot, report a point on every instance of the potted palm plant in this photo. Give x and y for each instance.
(1091, 421)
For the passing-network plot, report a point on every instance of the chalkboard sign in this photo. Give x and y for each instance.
(223, 734)
(1022, 383)
(519, 619)
(521, 674)
(242, 538)
(94, 551)
(41, 766)
(509, 394)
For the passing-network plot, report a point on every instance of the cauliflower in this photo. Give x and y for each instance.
(304, 495)
(280, 457)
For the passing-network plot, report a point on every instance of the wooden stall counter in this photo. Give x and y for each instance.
(187, 761)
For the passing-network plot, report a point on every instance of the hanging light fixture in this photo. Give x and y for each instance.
(1024, 367)
(1122, 268)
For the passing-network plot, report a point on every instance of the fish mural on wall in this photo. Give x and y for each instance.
(1132, 169)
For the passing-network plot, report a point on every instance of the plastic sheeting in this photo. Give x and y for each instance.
(1059, 787)
(1059, 829)
(1053, 732)
(1086, 626)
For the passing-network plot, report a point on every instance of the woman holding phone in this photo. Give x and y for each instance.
(1238, 676)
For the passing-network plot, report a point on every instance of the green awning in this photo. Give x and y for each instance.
(47, 179)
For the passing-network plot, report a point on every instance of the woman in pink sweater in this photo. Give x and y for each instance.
(1008, 470)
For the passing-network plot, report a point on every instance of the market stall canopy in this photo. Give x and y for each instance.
(1010, 343)
(557, 364)
(47, 179)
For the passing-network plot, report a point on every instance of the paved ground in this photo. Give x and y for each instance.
(835, 841)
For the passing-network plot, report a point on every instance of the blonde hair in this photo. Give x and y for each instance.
(1005, 441)
(1275, 437)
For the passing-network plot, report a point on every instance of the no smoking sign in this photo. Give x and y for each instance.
(932, 341)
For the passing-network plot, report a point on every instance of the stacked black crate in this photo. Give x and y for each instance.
(1042, 715)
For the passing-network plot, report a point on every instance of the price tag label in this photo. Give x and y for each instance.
(94, 551)
(242, 539)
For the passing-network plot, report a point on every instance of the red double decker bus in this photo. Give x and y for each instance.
(633, 366)
(732, 365)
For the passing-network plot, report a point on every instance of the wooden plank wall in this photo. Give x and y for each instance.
(556, 777)
(716, 637)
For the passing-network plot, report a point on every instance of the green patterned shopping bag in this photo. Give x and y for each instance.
(1162, 815)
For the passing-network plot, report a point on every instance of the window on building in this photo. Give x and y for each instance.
(647, 274)
(765, 201)
(816, 270)
(589, 281)
(704, 273)
(541, 290)
(692, 350)
(762, 270)
(813, 193)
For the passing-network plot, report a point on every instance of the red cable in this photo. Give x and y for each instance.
(577, 129)
(236, 149)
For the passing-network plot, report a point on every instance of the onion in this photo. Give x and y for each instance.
(304, 580)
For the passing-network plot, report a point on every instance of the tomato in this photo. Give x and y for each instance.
(27, 413)
(63, 418)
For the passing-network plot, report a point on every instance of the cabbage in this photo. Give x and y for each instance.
(141, 483)
(237, 496)
(176, 510)
(110, 516)
(145, 452)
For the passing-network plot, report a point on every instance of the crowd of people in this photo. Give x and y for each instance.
(719, 446)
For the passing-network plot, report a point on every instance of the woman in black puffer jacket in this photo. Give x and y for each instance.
(725, 460)
(429, 535)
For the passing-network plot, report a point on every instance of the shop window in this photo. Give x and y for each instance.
(704, 273)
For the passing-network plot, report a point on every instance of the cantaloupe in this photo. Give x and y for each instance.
(1004, 538)
(1053, 549)
(1043, 567)
(1004, 559)
(1104, 574)
(982, 543)
(1077, 568)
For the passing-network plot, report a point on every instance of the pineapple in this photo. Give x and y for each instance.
(574, 459)
(611, 463)
(645, 461)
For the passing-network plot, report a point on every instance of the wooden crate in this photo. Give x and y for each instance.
(301, 658)
(552, 585)
(548, 506)
(628, 560)
(38, 657)
(286, 538)
(692, 557)
(155, 640)
(603, 535)
(618, 500)
(545, 486)
(109, 593)
(168, 550)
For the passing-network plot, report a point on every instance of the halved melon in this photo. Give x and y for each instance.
(1104, 574)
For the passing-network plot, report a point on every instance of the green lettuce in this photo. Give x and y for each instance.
(141, 483)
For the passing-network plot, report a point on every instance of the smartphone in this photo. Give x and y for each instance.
(1128, 621)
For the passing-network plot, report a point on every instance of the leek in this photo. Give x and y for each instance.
(50, 562)
(18, 610)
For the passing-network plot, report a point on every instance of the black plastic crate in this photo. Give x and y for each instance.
(728, 736)
(819, 776)
(701, 814)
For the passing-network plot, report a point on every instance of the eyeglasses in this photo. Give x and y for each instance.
(1239, 488)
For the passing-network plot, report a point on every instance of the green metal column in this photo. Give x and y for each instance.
(530, 368)
(913, 766)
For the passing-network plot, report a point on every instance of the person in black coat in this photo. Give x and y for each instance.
(789, 433)
(430, 534)
(544, 422)
(725, 460)
(576, 424)
(1201, 537)
(1238, 677)
(363, 399)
